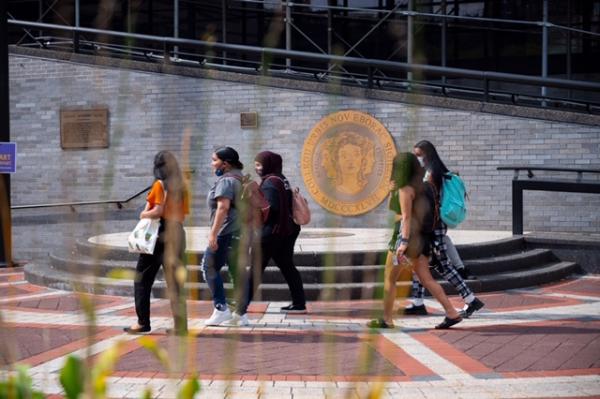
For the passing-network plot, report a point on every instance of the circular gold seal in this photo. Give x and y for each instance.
(347, 162)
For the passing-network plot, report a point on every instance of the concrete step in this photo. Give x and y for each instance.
(491, 249)
(509, 262)
(347, 258)
(55, 278)
(72, 262)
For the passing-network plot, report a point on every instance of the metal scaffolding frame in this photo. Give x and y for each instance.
(287, 8)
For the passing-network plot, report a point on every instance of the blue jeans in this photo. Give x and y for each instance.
(213, 262)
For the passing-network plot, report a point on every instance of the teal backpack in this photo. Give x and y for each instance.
(453, 203)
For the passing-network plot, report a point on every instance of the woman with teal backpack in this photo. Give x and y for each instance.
(416, 203)
(444, 259)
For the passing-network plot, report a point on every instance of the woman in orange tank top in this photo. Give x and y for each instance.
(168, 202)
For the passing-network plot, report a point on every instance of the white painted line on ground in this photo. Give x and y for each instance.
(426, 356)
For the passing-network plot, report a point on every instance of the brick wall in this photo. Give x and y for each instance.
(191, 116)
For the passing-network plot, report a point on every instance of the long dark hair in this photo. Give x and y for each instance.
(406, 171)
(433, 163)
(166, 168)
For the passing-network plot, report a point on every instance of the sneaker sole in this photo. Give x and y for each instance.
(215, 324)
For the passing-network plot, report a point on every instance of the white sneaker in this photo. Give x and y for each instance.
(218, 317)
(237, 320)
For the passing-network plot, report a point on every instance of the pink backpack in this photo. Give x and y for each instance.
(300, 209)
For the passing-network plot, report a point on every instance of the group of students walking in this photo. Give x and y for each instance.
(228, 238)
(419, 240)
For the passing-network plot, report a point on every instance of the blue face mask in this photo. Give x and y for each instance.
(219, 172)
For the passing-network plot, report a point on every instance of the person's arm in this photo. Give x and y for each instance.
(271, 194)
(223, 205)
(155, 212)
(406, 201)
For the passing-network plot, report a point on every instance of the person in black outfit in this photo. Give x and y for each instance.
(278, 237)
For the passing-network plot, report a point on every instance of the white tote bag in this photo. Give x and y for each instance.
(142, 239)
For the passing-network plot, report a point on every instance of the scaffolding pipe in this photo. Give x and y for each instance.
(288, 32)
(410, 39)
(224, 28)
(175, 25)
(545, 48)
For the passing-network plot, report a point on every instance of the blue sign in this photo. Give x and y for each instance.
(8, 157)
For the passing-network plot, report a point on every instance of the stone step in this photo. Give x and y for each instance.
(348, 258)
(70, 261)
(491, 249)
(55, 278)
(466, 251)
(509, 262)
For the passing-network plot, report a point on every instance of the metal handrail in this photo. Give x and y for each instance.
(485, 76)
(555, 185)
(119, 203)
(530, 170)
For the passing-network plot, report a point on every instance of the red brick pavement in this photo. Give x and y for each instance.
(557, 348)
(266, 355)
(576, 287)
(33, 344)
(548, 346)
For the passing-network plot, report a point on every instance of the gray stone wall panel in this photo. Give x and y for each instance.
(192, 116)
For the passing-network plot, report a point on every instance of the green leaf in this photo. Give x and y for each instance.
(104, 367)
(147, 394)
(190, 388)
(72, 377)
(121, 274)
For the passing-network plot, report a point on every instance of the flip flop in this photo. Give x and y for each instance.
(379, 323)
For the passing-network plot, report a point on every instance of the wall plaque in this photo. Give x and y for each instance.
(346, 162)
(248, 120)
(86, 128)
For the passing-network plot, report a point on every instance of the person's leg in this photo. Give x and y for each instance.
(417, 305)
(389, 290)
(233, 260)
(444, 266)
(146, 269)
(452, 253)
(283, 255)
(421, 266)
(262, 251)
(174, 260)
(212, 262)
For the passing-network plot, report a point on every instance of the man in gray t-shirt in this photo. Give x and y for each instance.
(227, 186)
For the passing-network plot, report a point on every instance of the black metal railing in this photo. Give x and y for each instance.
(72, 205)
(206, 57)
(578, 185)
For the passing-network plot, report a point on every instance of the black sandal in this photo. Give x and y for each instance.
(379, 323)
(448, 322)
